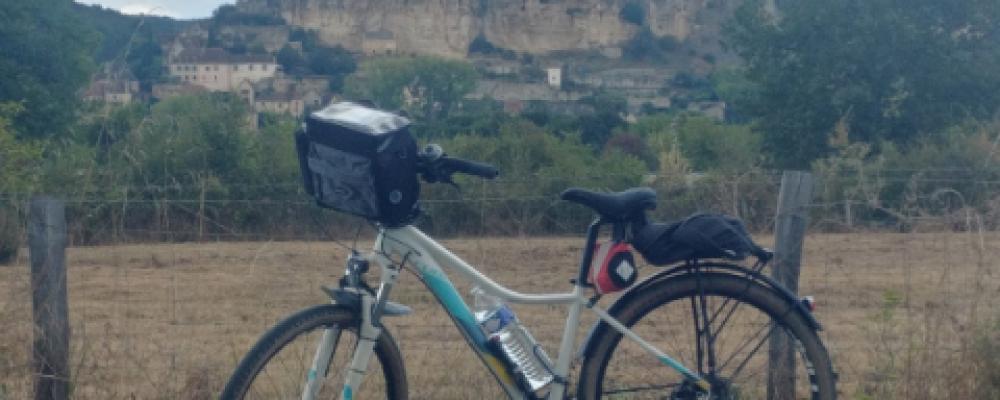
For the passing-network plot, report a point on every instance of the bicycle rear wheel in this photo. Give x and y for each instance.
(732, 353)
(278, 365)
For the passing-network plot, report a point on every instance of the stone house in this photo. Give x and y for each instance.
(114, 85)
(288, 96)
(113, 92)
(219, 71)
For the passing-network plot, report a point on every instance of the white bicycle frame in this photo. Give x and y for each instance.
(409, 247)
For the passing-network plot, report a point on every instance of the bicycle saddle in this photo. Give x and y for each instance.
(615, 206)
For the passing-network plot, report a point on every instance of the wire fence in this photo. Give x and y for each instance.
(166, 294)
(527, 205)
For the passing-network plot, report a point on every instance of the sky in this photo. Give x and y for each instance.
(183, 9)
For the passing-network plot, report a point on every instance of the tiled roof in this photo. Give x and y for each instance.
(216, 55)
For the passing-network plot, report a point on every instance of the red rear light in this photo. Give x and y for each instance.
(809, 302)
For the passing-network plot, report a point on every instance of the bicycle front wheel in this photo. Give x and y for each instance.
(278, 366)
(718, 325)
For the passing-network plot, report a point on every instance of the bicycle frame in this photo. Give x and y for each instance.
(425, 257)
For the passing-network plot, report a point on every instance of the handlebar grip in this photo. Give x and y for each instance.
(469, 167)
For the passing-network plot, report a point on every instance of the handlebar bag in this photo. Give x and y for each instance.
(361, 161)
(696, 237)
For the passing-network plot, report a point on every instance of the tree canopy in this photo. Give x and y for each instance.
(45, 58)
(880, 70)
(434, 85)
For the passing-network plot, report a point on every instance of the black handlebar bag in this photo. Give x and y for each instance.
(361, 161)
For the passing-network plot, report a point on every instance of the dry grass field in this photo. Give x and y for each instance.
(171, 321)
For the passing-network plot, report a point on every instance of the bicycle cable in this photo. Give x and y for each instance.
(330, 236)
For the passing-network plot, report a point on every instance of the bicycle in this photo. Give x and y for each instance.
(722, 313)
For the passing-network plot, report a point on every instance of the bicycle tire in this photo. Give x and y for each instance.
(254, 368)
(611, 367)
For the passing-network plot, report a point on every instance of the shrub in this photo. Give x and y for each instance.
(633, 13)
(633, 145)
(10, 235)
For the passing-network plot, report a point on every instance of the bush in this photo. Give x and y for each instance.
(524, 206)
(643, 46)
(633, 13)
(481, 45)
(646, 46)
(632, 145)
(10, 235)
(712, 146)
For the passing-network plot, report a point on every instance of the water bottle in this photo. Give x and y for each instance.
(520, 349)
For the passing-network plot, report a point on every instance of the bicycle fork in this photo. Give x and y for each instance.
(370, 310)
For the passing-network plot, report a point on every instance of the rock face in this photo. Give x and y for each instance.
(447, 27)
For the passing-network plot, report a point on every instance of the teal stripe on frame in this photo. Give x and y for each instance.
(452, 301)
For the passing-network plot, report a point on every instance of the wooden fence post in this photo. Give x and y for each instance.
(789, 233)
(47, 253)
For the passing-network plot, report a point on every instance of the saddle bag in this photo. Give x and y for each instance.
(696, 237)
(613, 268)
(360, 161)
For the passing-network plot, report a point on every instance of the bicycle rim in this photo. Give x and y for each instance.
(285, 357)
(731, 350)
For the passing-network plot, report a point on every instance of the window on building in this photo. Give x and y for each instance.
(249, 67)
(208, 68)
(263, 67)
(236, 68)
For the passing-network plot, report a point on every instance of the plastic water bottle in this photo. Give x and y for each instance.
(502, 328)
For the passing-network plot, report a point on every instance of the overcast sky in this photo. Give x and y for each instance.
(184, 9)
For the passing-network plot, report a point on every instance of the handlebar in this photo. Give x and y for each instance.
(469, 167)
(436, 166)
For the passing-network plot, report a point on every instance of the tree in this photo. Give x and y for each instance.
(291, 60)
(633, 145)
(884, 69)
(597, 128)
(18, 158)
(133, 38)
(335, 62)
(643, 46)
(711, 146)
(633, 13)
(145, 59)
(18, 163)
(189, 138)
(432, 86)
(45, 58)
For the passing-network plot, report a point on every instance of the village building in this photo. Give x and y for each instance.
(112, 92)
(555, 77)
(114, 85)
(380, 42)
(294, 97)
(219, 71)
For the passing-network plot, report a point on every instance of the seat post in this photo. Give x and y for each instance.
(588, 251)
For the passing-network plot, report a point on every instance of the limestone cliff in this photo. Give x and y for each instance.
(447, 27)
